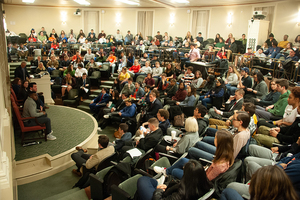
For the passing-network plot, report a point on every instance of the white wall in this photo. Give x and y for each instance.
(23, 18)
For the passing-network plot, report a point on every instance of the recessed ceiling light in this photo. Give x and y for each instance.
(82, 2)
(130, 2)
(28, 1)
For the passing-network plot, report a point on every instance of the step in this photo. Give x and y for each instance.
(78, 195)
(105, 86)
(86, 102)
(112, 78)
(107, 83)
(96, 92)
(93, 96)
(84, 108)
(63, 194)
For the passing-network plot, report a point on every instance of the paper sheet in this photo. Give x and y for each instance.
(134, 152)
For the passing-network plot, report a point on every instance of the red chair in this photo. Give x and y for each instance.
(24, 129)
(18, 102)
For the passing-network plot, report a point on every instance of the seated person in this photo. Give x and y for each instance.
(144, 59)
(138, 91)
(169, 71)
(30, 110)
(92, 161)
(52, 64)
(288, 63)
(209, 54)
(213, 96)
(223, 159)
(64, 64)
(232, 49)
(145, 98)
(186, 141)
(188, 76)
(77, 55)
(152, 108)
(112, 62)
(123, 76)
(127, 112)
(40, 68)
(99, 102)
(71, 39)
(190, 98)
(222, 54)
(220, 44)
(273, 50)
(145, 70)
(276, 109)
(22, 51)
(234, 103)
(171, 90)
(69, 70)
(88, 56)
(206, 147)
(80, 71)
(68, 84)
(210, 83)
(245, 82)
(232, 78)
(37, 61)
(84, 86)
(135, 68)
(260, 88)
(149, 80)
(163, 84)
(164, 123)
(77, 62)
(290, 112)
(128, 87)
(288, 134)
(259, 58)
(150, 140)
(271, 98)
(122, 61)
(140, 47)
(149, 188)
(91, 67)
(192, 56)
(154, 60)
(124, 137)
(157, 70)
(277, 183)
(243, 59)
(178, 97)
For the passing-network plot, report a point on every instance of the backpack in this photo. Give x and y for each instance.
(115, 176)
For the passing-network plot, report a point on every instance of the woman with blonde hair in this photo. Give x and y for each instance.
(187, 140)
(40, 68)
(232, 78)
(188, 36)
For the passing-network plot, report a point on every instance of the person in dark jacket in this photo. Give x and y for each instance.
(190, 187)
(21, 72)
(125, 136)
(153, 107)
(179, 95)
(215, 95)
(23, 92)
(84, 86)
(99, 102)
(171, 90)
(270, 98)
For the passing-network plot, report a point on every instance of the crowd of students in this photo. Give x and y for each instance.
(232, 115)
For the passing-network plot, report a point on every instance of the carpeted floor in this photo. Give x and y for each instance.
(48, 187)
(70, 126)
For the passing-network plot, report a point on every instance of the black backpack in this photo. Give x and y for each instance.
(115, 176)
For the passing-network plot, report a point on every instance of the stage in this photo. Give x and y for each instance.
(72, 127)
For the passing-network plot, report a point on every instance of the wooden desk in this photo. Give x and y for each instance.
(44, 85)
(202, 67)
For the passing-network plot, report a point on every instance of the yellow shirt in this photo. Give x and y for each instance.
(283, 44)
(124, 76)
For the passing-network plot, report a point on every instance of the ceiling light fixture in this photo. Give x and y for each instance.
(82, 2)
(181, 1)
(130, 2)
(28, 1)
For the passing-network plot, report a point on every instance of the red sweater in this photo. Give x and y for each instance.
(150, 81)
(180, 95)
(135, 69)
(54, 46)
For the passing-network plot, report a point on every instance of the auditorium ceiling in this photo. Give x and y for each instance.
(137, 3)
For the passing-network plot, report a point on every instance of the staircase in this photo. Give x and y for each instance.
(13, 66)
(104, 84)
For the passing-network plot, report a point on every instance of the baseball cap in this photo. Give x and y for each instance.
(246, 69)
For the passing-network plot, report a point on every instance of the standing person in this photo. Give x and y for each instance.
(21, 72)
(92, 161)
(29, 110)
(68, 84)
(84, 86)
